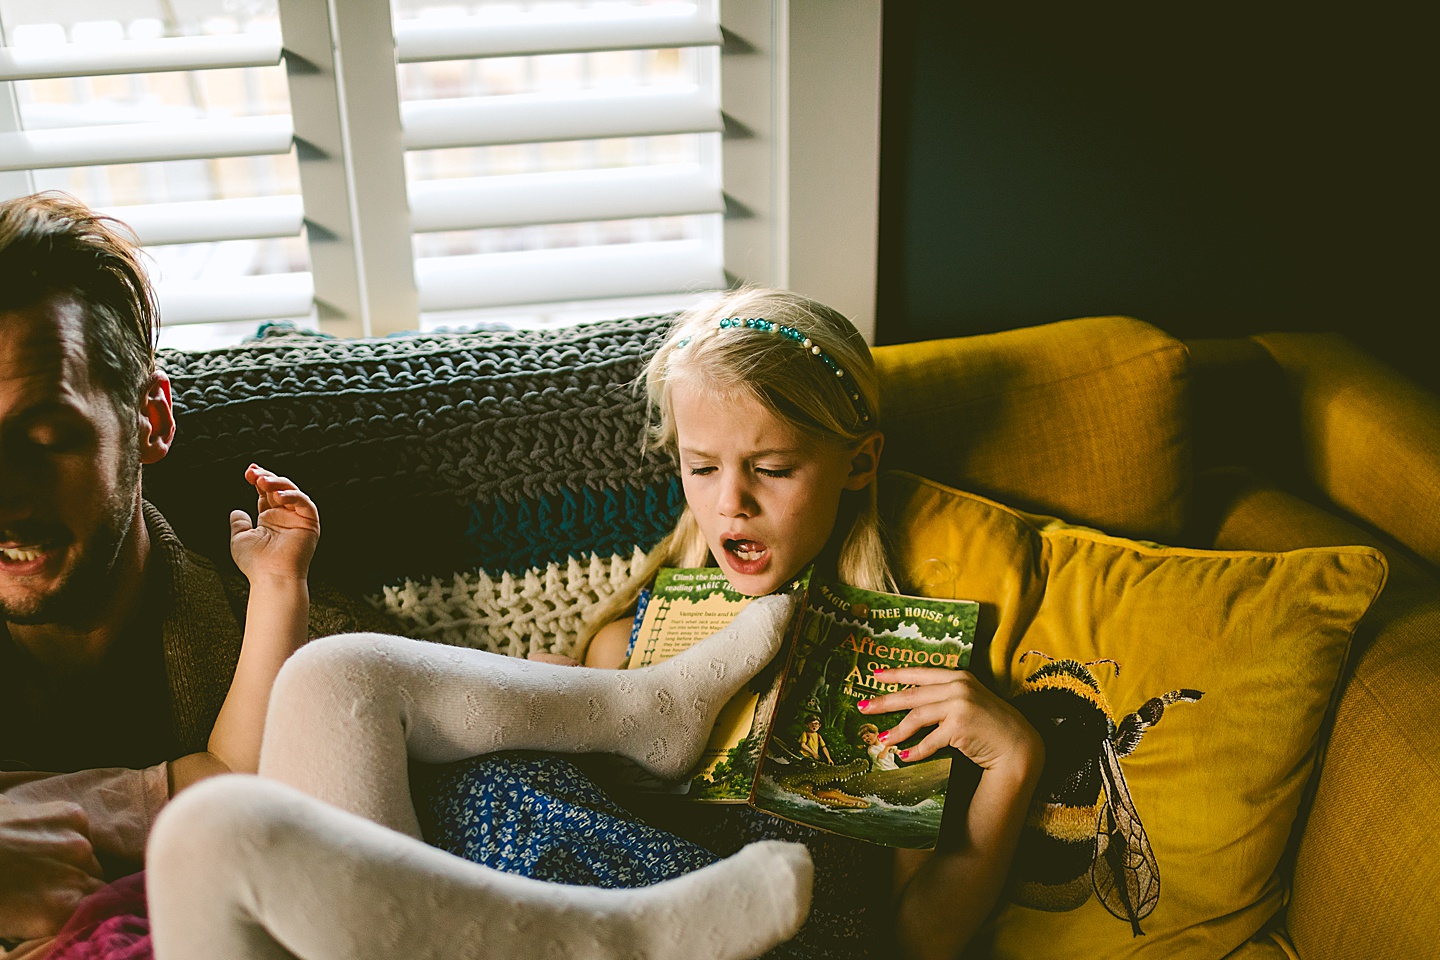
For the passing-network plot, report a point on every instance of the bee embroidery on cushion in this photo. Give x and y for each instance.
(1082, 832)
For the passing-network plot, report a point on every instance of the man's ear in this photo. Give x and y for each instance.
(865, 461)
(157, 419)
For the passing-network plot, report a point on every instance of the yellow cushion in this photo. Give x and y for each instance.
(1215, 781)
(1087, 419)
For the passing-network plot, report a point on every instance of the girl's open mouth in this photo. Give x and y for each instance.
(746, 556)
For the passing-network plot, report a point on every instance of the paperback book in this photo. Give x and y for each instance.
(793, 742)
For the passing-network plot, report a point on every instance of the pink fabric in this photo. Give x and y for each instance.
(122, 806)
(110, 924)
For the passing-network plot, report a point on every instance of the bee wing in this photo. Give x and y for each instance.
(1125, 875)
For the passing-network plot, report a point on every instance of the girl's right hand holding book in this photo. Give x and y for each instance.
(965, 715)
(968, 866)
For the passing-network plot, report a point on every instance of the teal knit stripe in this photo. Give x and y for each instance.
(515, 535)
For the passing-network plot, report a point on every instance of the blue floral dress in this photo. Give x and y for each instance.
(542, 816)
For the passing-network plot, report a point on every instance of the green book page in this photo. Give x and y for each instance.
(823, 764)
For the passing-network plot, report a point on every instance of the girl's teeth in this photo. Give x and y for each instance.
(746, 550)
(19, 554)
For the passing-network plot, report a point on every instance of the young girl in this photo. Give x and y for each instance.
(769, 403)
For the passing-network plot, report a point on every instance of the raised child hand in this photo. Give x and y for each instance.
(965, 715)
(282, 541)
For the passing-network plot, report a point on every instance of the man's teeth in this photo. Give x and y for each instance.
(20, 554)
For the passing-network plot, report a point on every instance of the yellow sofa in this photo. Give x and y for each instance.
(1268, 443)
(512, 463)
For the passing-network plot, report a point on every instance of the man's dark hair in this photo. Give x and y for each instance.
(51, 243)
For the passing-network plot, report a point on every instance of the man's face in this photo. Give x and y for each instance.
(69, 470)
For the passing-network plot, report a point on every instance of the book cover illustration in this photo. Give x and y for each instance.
(823, 764)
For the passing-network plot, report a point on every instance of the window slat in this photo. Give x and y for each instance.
(543, 117)
(569, 273)
(137, 56)
(661, 26)
(203, 221)
(623, 193)
(263, 297)
(143, 142)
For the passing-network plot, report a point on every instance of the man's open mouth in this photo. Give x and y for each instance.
(27, 550)
(23, 554)
(26, 559)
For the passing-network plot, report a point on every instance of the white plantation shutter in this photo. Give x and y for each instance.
(396, 225)
(101, 142)
(632, 191)
(137, 56)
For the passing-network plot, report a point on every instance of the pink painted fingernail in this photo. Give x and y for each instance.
(885, 736)
(904, 754)
(863, 704)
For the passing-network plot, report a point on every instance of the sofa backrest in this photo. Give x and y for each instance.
(1084, 419)
(503, 450)
(1369, 436)
(427, 454)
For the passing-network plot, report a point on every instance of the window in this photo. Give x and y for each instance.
(535, 162)
(179, 127)
(561, 152)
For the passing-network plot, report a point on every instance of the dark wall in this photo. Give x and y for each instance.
(1228, 173)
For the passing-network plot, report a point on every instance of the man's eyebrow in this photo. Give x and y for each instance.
(51, 405)
(45, 409)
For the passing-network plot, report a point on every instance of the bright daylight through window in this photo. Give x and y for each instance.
(373, 167)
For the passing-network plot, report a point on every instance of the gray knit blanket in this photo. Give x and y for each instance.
(450, 469)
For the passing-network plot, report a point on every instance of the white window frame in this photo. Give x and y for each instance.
(801, 98)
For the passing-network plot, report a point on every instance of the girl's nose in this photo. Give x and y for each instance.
(736, 500)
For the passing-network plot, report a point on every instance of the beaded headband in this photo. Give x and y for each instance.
(765, 326)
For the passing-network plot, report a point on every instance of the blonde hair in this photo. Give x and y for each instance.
(791, 381)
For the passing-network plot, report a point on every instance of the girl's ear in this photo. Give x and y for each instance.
(157, 419)
(865, 461)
